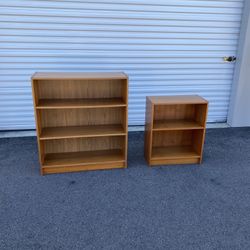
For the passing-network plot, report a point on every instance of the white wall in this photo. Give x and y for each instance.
(239, 109)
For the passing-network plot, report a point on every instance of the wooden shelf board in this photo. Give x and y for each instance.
(77, 168)
(81, 131)
(80, 103)
(83, 158)
(174, 152)
(176, 125)
(79, 75)
(177, 100)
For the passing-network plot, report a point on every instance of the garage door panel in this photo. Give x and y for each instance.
(191, 8)
(79, 60)
(115, 54)
(117, 21)
(18, 71)
(55, 34)
(166, 47)
(118, 28)
(51, 41)
(97, 14)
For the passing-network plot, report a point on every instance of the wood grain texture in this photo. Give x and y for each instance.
(174, 112)
(175, 129)
(84, 167)
(80, 89)
(174, 152)
(160, 125)
(203, 118)
(125, 118)
(83, 144)
(81, 131)
(197, 141)
(81, 118)
(180, 99)
(78, 75)
(148, 130)
(201, 114)
(38, 125)
(81, 158)
(80, 103)
(83, 161)
(178, 161)
(172, 138)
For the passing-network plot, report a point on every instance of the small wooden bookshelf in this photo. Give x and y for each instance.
(81, 120)
(175, 129)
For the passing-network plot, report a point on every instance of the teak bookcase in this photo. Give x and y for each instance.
(175, 129)
(81, 120)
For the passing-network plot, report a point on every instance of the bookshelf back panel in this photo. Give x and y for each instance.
(195, 112)
(79, 89)
(191, 138)
(79, 117)
(197, 140)
(201, 114)
(83, 144)
(172, 138)
(174, 112)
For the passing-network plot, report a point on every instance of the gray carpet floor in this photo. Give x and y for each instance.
(166, 207)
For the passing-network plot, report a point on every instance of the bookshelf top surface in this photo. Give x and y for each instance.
(180, 99)
(79, 75)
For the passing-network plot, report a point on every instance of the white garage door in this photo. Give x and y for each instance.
(167, 47)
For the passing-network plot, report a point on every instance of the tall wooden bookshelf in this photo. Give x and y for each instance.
(81, 120)
(175, 129)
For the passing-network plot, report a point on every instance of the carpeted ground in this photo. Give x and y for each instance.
(172, 207)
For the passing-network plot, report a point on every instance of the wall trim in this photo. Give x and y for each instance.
(239, 111)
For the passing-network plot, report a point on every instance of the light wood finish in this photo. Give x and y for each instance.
(148, 129)
(172, 138)
(175, 129)
(169, 161)
(78, 75)
(176, 125)
(81, 117)
(179, 99)
(174, 152)
(81, 131)
(163, 154)
(81, 120)
(83, 144)
(74, 89)
(83, 158)
(38, 126)
(84, 167)
(80, 103)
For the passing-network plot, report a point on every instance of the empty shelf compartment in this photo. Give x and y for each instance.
(174, 152)
(83, 158)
